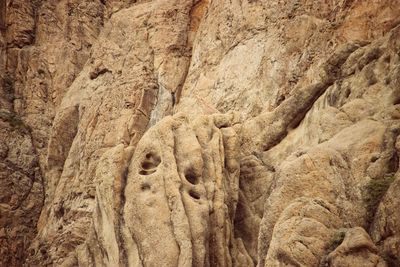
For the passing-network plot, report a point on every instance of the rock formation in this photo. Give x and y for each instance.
(199, 133)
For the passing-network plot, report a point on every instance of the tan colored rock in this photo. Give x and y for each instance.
(184, 187)
(356, 249)
(323, 172)
(181, 185)
(103, 109)
(385, 227)
(367, 154)
(302, 233)
(316, 85)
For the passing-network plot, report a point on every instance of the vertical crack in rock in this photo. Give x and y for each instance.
(188, 244)
(119, 202)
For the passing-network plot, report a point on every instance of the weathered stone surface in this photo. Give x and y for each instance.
(356, 249)
(199, 133)
(21, 188)
(302, 233)
(184, 187)
(103, 108)
(385, 228)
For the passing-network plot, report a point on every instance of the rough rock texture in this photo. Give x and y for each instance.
(21, 188)
(356, 249)
(199, 133)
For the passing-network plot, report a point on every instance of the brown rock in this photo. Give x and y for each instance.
(21, 188)
(199, 133)
(356, 249)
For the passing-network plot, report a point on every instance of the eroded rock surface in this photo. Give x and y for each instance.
(199, 133)
(21, 187)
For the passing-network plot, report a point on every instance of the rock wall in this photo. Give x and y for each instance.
(199, 133)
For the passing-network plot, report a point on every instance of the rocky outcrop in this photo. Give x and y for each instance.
(384, 229)
(199, 133)
(355, 249)
(184, 187)
(21, 187)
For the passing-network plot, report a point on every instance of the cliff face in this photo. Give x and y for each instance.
(199, 133)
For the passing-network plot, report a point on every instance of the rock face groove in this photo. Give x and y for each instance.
(199, 133)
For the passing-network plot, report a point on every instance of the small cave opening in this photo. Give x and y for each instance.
(194, 194)
(191, 177)
(149, 164)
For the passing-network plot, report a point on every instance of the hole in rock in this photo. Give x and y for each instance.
(145, 187)
(129, 105)
(387, 59)
(396, 101)
(194, 194)
(31, 252)
(43, 251)
(374, 158)
(151, 161)
(347, 93)
(191, 177)
(60, 212)
(281, 98)
(149, 164)
(147, 172)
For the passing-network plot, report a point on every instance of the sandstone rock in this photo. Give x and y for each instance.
(106, 111)
(356, 249)
(302, 233)
(385, 228)
(21, 188)
(117, 125)
(185, 188)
